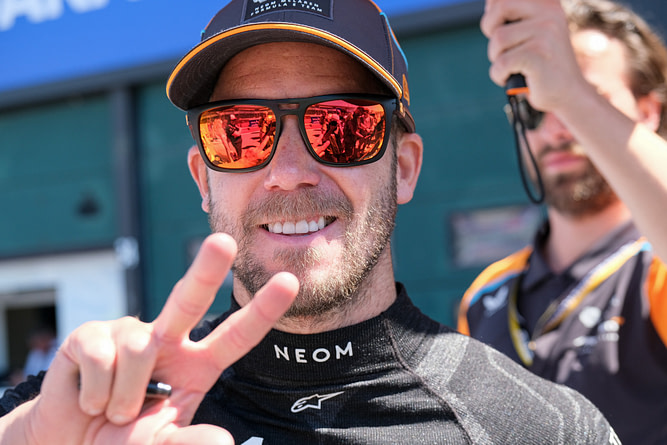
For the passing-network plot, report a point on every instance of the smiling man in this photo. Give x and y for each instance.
(350, 359)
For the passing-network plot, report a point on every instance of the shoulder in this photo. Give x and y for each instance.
(498, 271)
(492, 277)
(657, 295)
(504, 402)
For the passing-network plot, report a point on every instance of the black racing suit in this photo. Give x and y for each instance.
(397, 378)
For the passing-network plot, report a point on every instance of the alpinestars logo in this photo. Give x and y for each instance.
(314, 401)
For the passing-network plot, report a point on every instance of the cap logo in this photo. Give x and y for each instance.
(257, 8)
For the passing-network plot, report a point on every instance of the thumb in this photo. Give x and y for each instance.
(203, 434)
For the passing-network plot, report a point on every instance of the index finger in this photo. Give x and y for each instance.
(498, 13)
(194, 293)
(492, 17)
(245, 328)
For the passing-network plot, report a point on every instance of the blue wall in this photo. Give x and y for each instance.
(55, 40)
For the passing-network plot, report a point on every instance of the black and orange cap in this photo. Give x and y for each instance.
(356, 27)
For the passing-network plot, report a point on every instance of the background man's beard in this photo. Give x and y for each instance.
(364, 241)
(579, 194)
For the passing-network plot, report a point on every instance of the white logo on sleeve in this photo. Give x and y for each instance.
(314, 401)
(494, 302)
(590, 316)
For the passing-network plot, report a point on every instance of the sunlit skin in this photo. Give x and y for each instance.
(603, 64)
(580, 199)
(306, 190)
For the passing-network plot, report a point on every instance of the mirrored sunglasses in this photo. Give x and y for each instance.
(338, 130)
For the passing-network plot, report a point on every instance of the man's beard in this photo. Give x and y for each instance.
(578, 194)
(366, 237)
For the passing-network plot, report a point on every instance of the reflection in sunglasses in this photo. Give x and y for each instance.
(339, 132)
(345, 133)
(237, 136)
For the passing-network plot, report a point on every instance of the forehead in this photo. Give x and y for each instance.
(602, 59)
(292, 69)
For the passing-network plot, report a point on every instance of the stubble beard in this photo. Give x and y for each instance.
(579, 194)
(320, 292)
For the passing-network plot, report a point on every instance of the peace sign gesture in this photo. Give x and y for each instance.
(115, 360)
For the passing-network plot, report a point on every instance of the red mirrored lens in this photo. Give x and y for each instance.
(345, 131)
(237, 136)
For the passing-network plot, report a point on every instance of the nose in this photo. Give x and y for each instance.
(292, 165)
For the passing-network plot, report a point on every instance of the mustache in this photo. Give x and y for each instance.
(304, 203)
(570, 147)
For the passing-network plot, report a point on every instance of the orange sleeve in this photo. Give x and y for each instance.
(516, 261)
(657, 296)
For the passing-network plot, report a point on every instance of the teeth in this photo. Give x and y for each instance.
(289, 228)
(299, 227)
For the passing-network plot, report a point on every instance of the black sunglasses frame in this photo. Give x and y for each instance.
(390, 105)
(529, 116)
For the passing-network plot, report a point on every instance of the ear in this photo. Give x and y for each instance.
(650, 110)
(199, 173)
(409, 154)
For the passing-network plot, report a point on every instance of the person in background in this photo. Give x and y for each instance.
(351, 359)
(43, 347)
(234, 135)
(586, 304)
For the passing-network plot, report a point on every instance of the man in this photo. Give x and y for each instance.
(351, 361)
(586, 304)
(234, 136)
(43, 346)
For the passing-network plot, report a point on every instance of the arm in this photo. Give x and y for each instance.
(632, 157)
(115, 360)
(624, 148)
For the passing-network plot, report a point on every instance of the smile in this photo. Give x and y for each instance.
(300, 227)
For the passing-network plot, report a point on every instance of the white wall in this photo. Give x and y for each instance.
(86, 286)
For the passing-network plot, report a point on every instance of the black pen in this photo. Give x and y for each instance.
(154, 390)
(158, 390)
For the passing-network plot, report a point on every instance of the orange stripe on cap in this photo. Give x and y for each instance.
(376, 6)
(657, 297)
(292, 27)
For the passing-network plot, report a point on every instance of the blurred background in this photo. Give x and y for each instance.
(99, 215)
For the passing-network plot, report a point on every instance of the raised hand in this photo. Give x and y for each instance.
(115, 361)
(532, 37)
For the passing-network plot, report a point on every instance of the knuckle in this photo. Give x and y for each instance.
(99, 353)
(138, 343)
(92, 342)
